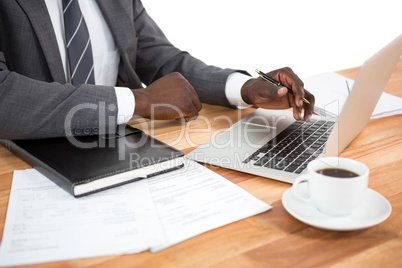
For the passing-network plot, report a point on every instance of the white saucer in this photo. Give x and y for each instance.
(374, 210)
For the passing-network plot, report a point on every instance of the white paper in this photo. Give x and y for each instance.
(44, 223)
(194, 200)
(331, 91)
(387, 105)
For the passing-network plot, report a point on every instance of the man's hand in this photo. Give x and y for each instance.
(170, 97)
(263, 94)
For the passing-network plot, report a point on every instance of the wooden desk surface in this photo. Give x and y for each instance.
(273, 238)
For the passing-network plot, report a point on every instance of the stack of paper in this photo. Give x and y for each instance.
(331, 91)
(44, 223)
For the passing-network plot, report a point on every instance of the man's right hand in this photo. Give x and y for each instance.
(170, 97)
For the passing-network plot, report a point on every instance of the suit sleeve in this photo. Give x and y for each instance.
(157, 57)
(30, 108)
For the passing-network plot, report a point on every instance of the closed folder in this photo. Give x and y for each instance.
(88, 164)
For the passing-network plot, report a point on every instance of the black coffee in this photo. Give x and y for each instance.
(338, 173)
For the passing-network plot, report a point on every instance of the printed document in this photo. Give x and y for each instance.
(194, 200)
(44, 223)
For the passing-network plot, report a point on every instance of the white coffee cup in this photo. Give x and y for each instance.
(334, 196)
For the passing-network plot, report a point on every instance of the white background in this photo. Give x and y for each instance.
(310, 36)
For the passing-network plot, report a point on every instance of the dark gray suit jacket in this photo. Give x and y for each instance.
(35, 100)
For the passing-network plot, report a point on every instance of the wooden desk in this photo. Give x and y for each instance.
(273, 238)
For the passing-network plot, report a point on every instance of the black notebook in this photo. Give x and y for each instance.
(88, 164)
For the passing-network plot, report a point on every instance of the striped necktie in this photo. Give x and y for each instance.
(78, 42)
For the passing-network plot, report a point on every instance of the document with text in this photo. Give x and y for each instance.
(44, 223)
(195, 199)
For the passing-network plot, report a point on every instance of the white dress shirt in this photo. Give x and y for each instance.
(106, 57)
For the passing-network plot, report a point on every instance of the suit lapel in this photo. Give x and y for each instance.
(119, 21)
(42, 25)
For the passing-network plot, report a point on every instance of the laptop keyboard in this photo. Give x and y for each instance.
(293, 148)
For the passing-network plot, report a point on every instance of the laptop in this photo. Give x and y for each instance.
(272, 144)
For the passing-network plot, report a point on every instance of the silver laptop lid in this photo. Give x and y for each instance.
(367, 89)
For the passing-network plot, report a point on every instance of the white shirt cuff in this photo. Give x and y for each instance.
(233, 87)
(125, 104)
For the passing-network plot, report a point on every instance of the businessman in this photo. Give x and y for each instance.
(48, 89)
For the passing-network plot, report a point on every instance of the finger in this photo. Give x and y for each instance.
(190, 112)
(309, 108)
(197, 103)
(299, 96)
(296, 110)
(186, 119)
(185, 109)
(298, 92)
(282, 91)
(268, 90)
(195, 99)
(287, 77)
(275, 92)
